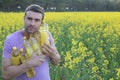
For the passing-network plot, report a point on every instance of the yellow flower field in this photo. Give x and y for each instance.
(89, 43)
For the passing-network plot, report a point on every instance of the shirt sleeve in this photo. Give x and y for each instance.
(51, 40)
(7, 49)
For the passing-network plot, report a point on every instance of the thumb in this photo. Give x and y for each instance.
(34, 53)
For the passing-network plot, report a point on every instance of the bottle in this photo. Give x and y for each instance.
(29, 50)
(35, 44)
(30, 72)
(44, 34)
(15, 56)
(23, 56)
(37, 36)
(28, 46)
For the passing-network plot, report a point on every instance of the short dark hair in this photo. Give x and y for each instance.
(35, 8)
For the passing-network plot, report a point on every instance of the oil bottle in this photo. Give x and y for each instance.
(44, 34)
(28, 46)
(29, 50)
(15, 56)
(35, 44)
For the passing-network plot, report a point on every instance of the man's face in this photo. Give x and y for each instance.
(32, 21)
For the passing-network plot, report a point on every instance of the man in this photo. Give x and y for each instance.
(33, 18)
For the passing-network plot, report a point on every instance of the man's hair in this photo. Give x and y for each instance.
(35, 8)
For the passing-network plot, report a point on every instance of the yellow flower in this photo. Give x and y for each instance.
(91, 60)
(68, 56)
(111, 78)
(78, 75)
(94, 69)
(70, 66)
(106, 62)
(74, 42)
(76, 60)
(112, 50)
(118, 72)
(100, 49)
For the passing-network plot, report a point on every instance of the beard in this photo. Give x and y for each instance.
(31, 29)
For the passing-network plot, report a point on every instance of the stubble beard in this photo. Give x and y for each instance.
(28, 32)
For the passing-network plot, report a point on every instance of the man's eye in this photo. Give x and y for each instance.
(29, 18)
(37, 19)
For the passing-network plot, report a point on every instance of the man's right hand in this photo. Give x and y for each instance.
(35, 60)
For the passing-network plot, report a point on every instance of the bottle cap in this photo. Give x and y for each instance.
(14, 48)
(21, 50)
(24, 37)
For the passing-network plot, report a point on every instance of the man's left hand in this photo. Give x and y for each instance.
(51, 52)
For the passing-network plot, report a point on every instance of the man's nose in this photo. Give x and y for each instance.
(32, 22)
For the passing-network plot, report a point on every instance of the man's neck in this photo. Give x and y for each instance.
(25, 34)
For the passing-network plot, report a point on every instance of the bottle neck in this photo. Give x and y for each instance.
(44, 27)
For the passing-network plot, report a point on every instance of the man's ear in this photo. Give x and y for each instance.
(42, 22)
(24, 17)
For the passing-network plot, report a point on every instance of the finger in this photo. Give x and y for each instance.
(34, 53)
(48, 48)
(42, 59)
(45, 51)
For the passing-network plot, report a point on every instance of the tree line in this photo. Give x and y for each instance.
(62, 5)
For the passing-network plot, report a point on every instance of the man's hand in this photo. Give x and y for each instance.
(35, 60)
(52, 53)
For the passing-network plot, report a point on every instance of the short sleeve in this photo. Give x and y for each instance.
(51, 40)
(7, 49)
